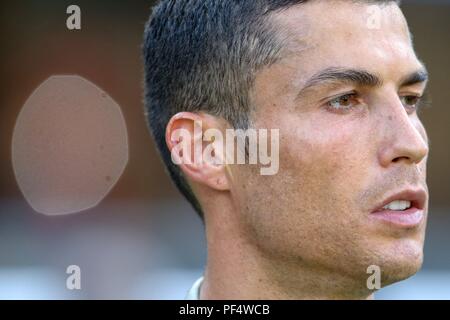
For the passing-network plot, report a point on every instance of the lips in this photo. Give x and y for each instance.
(417, 199)
(412, 216)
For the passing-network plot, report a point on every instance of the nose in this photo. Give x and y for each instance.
(405, 139)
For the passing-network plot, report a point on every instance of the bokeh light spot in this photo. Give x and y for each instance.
(68, 137)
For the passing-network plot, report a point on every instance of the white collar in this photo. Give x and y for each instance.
(194, 292)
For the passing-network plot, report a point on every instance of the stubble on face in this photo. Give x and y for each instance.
(314, 213)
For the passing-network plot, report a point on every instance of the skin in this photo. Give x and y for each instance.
(307, 232)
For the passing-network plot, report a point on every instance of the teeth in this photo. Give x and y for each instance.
(398, 205)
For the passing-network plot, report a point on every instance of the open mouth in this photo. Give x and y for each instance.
(398, 205)
(404, 209)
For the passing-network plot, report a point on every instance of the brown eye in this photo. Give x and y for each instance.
(344, 102)
(410, 101)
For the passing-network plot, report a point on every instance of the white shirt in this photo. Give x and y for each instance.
(194, 292)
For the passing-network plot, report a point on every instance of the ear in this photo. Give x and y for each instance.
(196, 144)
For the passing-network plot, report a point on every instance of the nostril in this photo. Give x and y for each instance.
(398, 159)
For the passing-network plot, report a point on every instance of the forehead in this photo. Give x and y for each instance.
(347, 34)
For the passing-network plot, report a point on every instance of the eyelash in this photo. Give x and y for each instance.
(418, 102)
(353, 95)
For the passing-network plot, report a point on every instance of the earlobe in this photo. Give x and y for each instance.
(218, 180)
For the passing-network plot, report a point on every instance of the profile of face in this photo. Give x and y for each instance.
(345, 98)
(350, 192)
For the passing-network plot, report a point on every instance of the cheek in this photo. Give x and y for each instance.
(420, 128)
(328, 166)
(328, 153)
(310, 206)
(423, 133)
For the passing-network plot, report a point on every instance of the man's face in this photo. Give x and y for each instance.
(345, 147)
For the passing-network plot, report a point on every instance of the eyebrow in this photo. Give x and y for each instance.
(415, 77)
(359, 77)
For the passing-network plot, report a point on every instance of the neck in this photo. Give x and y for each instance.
(236, 269)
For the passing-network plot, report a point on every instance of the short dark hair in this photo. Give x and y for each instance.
(203, 55)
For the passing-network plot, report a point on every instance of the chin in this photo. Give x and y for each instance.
(402, 262)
